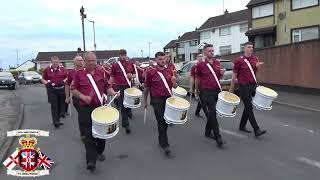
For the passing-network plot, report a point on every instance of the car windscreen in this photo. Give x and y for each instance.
(227, 65)
(6, 74)
(30, 73)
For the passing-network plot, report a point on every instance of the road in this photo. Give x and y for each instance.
(289, 150)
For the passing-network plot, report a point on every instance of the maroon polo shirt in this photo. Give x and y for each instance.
(193, 70)
(82, 83)
(170, 68)
(155, 83)
(244, 74)
(71, 75)
(203, 73)
(119, 77)
(55, 76)
(140, 74)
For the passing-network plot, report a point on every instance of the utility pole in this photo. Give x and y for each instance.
(94, 37)
(141, 55)
(149, 50)
(17, 58)
(83, 16)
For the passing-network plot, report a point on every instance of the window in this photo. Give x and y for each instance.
(174, 49)
(243, 28)
(225, 31)
(242, 47)
(180, 45)
(304, 34)
(267, 40)
(225, 50)
(69, 65)
(262, 11)
(181, 57)
(166, 50)
(186, 68)
(298, 4)
(194, 43)
(205, 35)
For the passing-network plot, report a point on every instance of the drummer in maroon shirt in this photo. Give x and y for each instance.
(78, 66)
(119, 82)
(53, 79)
(208, 89)
(83, 89)
(247, 87)
(159, 94)
(169, 65)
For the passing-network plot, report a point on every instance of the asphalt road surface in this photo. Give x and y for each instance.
(290, 150)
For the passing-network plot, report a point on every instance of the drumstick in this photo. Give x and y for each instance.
(145, 116)
(69, 107)
(113, 99)
(190, 97)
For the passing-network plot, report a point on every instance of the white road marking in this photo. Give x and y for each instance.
(309, 161)
(233, 133)
(311, 131)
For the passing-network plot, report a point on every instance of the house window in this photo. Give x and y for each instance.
(298, 4)
(181, 57)
(205, 35)
(69, 65)
(181, 45)
(174, 49)
(263, 41)
(225, 31)
(304, 34)
(243, 28)
(166, 50)
(225, 50)
(242, 47)
(262, 11)
(194, 43)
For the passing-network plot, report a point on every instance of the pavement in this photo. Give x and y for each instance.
(289, 150)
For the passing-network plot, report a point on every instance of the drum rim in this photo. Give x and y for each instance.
(105, 123)
(184, 93)
(131, 95)
(266, 95)
(230, 102)
(169, 104)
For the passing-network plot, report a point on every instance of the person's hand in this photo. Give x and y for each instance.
(197, 93)
(129, 76)
(86, 99)
(173, 79)
(258, 64)
(145, 104)
(68, 100)
(222, 71)
(231, 89)
(117, 94)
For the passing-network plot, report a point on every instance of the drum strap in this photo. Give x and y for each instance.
(214, 75)
(165, 82)
(254, 76)
(94, 85)
(124, 73)
(137, 75)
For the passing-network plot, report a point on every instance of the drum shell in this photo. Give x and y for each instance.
(175, 115)
(226, 108)
(175, 93)
(105, 130)
(263, 101)
(131, 101)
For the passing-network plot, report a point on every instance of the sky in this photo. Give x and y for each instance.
(29, 27)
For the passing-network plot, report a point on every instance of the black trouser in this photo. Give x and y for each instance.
(94, 146)
(199, 106)
(76, 104)
(119, 104)
(159, 105)
(57, 101)
(209, 99)
(246, 93)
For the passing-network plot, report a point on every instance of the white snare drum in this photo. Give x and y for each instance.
(226, 105)
(132, 98)
(105, 122)
(263, 98)
(179, 92)
(176, 110)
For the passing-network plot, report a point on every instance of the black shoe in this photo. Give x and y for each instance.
(258, 132)
(209, 135)
(198, 115)
(244, 130)
(167, 151)
(56, 125)
(61, 123)
(63, 115)
(83, 137)
(101, 157)
(91, 166)
(128, 130)
(220, 141)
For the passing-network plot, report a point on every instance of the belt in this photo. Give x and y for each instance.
(60, 87)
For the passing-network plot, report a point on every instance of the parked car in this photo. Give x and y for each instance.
(184, 74)
(7, 80)
(29, 77)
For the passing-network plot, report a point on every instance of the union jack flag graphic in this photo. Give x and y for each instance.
(44, 161)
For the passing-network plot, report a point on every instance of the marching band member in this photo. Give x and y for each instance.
(247, 86)
(155, 84)
(83, 89)
(169, 65)
(208, 88)
(121, 77)
(192, 84)
(53, 78)
(78, 66)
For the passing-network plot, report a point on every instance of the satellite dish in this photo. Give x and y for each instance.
(282, 16)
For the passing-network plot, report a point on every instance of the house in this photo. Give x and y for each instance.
(171, 49)
(24, 66)
(187, 46)
(43, 59)
(226, 32)
(278, 22)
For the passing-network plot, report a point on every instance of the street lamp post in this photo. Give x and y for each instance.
(149, 50)
(141, 55)
(83, 16)
(94, 37)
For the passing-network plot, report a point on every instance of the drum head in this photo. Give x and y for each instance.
(180, 90)
(267, 91)
(178, 102)
(104, 114)
(229, 97)
(133, 91)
